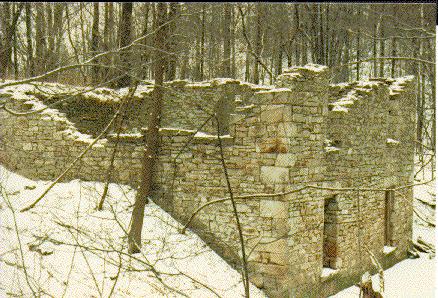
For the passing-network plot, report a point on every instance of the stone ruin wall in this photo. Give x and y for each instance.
(280, 139)
(186, 105)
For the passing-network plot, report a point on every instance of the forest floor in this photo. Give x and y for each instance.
(69, 249)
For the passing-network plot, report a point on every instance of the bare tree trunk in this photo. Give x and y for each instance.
(95, 42)
(108, 39)
(58, 34)
(393, 54)
(50, 37)
(382, 47)
(171, 42)
(30, 63)
(145, 52)
(125, 39)
(185, 65)
(154, 27)
(327, 40)
(226, 65)
(358, 51)
(198, 58)
(279, 65)
(432, 81)
(215, 43)
(201, 59)
(258, 41)
(321, 45)
(297, 38)
(247, 53)
(375, 50)
(152, 138)
(247, 64)
(15, 44)
(233, 43)
(40, 40)
(7, 43)
(84, 37)
(345, 72)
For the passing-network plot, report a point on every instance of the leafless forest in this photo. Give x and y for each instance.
(125, 45)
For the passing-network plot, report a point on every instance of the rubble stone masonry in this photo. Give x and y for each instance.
(322, 149)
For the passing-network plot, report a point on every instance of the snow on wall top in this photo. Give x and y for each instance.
(344, 95)
(308, 67)
(25, 96)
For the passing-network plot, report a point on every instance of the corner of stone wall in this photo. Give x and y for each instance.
(304, 90)
(288, 129)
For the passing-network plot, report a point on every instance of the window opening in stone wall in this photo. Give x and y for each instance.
(330, 234)
(389, 214)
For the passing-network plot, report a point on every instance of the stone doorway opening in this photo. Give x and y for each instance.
(388, 218)
(330, 245)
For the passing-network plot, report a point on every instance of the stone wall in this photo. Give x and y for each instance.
(304, 132)
(372, 136)
(186, 105)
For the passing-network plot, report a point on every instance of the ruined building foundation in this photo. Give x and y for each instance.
(318, 144)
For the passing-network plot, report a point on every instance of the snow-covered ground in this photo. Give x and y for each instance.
(411, 278)
(70, 249)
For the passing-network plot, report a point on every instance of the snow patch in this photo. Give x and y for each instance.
(392, 141)
(388, 249)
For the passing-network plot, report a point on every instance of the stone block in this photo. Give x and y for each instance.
(275, 113)
(285, 160)
(27, 146)
(273, 175)
(274, 209)
(287, 129)
(257, 280)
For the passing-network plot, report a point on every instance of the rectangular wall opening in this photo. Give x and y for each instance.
(330, 244)
(389, 215)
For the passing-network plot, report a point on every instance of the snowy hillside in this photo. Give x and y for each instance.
(71, 250)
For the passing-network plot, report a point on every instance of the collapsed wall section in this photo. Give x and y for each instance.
(186, 105)
(42, 145)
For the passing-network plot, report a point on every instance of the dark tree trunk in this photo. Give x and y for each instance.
(154, 27)
(321, 33)
(258, 41)
(29, 63)
(226, 65)
(382, 47)
(108, 40)
(171, 42)
(57, 32)
(6, 44)
(95, 42)
(345, 72)
(198, 58)
(393, 54)
(247, 53)
(297, 46)
(375, 50)
(146, 51)
(151, 137)
(279, 65)
(202, 45)
(14, 52)
(233, 44)
(125, 39)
